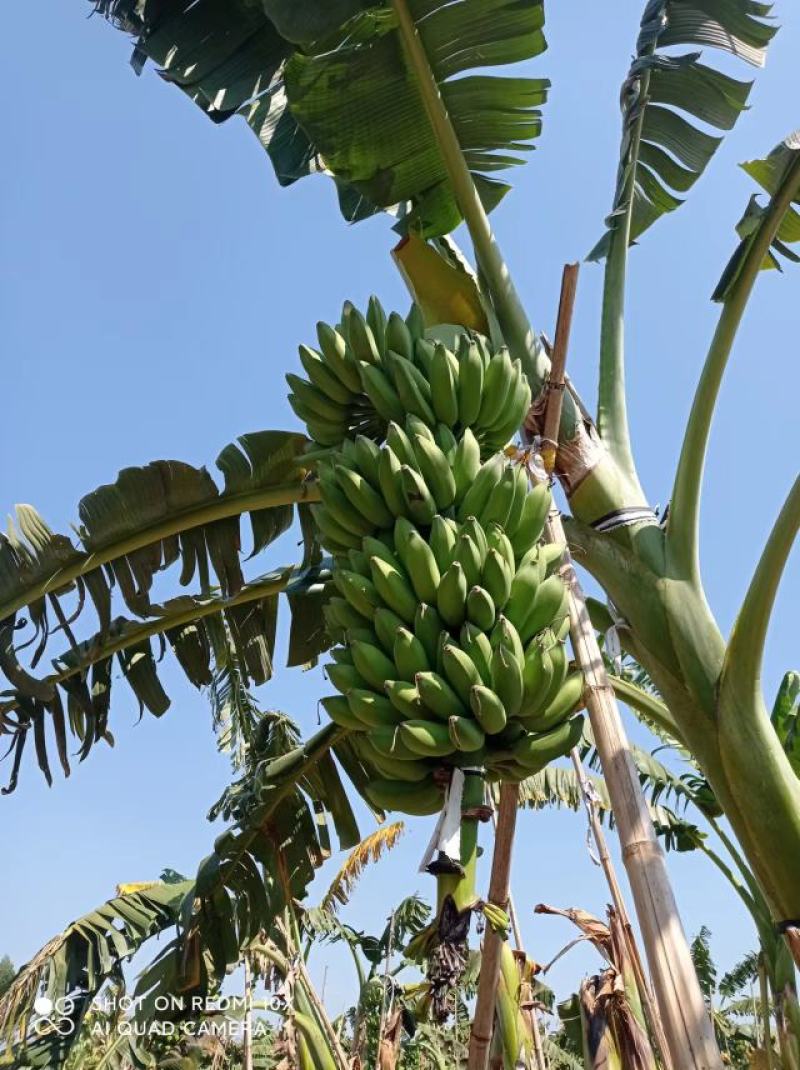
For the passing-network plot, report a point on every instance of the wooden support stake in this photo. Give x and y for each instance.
(686, 1024)
(499, 881)
(558, 359)
(607, 866)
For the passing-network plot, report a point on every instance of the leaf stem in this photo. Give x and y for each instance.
(612, 412)
(96, 651)
(514, 324)
(683, 529)
(742, 668)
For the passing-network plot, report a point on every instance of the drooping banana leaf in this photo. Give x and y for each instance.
(268, 856)
(670, 101)
(773, 173)
(204, 632)
(70, 970)
(326, 87)
(131, 531)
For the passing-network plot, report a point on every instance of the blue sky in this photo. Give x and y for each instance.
(154, 285)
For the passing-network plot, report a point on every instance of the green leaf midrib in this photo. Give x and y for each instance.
(220, 509)
(275, 583)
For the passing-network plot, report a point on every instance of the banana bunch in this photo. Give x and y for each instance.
(447, 611)
(451, 651)
(370, 371)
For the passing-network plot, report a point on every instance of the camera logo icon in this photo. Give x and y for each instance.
(54, 1016)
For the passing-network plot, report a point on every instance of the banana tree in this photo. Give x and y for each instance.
(300, 74)
(428, 142)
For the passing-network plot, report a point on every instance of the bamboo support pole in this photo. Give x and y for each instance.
(618, 900)
(558, 358)
(499, 883)
(689, 1034)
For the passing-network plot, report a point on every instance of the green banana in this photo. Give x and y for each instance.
(428, 626)
(384, 397)
(451, 598)
(475, 499)
(338, 358)
(363, 498)
(534, 515)
(466, 462)
(398, 439)
(419, 800)
(341, 510)
(506, 634)
(396, 769)
(560, 663)
(410, 656)
(549, 604)
(461, 671)
(360, 592)
(438, 696)
(446, 441)
(498, 540)
(338, 709)
(334, 533)
(465, 734)
(435, 470)
(469, 557)
(520, 495)
(506, 679)
(361, 339)
(496, 577)
(418, 560)
(475, 643)
(322, 431)
(442, 541)
(418, 499)
(412, 388)
(373, 710)
(389, 481)
(427, 739)
(501, 500)
(376, 321)
(473, 528)
(398, 337)
(561, 706)
(480, 608)
(537, 674)
(386, 741)
(372, 663)
(345, 678)
(393, 589)
(405, 698)
(523, 590)
(498, 382)
(315, 401)
(444, 386)
(344, 614)
(535, 752)
(386, 624)
(375, 547)
(423, 355)
(470, 381)
(367, 454)
(323, 378)
(490, 713)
